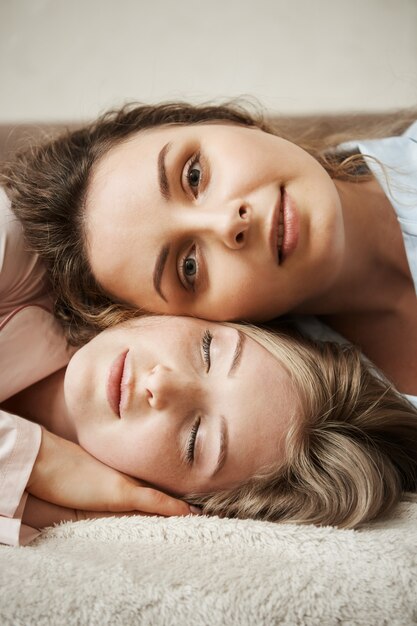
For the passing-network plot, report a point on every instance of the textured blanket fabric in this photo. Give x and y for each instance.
(199, 570)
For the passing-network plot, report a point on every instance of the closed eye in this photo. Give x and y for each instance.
(205, 344)
(191, 441)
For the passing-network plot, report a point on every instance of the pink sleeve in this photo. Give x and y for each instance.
(19, 446)
(32, 346)
(22, 274)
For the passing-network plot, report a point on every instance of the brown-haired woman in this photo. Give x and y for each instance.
(210, 212)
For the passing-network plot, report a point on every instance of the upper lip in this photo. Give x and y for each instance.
(114, 382)
(273, 228)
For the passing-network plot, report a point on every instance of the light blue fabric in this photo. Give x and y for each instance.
(398, 156)
(396, 172)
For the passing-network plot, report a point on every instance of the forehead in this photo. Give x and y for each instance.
(148, 142)
(135, 156)
(128, 174)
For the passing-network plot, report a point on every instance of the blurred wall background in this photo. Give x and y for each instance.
(71, 59)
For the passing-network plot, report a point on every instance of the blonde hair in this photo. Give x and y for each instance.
(47, 186)
(348, 457)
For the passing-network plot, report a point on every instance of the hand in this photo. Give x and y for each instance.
(68, 476)
(39, 514)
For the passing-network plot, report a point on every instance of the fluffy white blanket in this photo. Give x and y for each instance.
(198, 570)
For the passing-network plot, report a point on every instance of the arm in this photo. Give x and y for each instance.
(40, 514)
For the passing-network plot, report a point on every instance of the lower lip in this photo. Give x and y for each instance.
(291, 227)
(114, 382)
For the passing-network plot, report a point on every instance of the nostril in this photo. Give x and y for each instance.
(242, 212)
(239, 238)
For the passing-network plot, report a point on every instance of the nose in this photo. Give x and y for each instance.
(165, 388)
(230, 224)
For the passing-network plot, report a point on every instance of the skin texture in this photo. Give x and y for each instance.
(225, 184)
(169, 386)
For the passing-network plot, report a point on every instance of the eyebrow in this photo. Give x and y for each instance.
(224, 439)
(162, 172)
(159, 270)
(237, 355)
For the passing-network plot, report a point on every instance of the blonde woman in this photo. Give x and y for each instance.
(239, 420)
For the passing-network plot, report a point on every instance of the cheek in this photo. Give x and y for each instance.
(239, 287)
(133, 450)
(104, 444)
(78, 386)
(250, 301)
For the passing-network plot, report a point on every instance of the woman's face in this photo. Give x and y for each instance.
(215, 221)
(184, 404)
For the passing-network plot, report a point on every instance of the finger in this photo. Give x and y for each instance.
(148, 500)
(85, 515)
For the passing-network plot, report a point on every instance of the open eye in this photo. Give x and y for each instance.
(188, 268)
(194, 174)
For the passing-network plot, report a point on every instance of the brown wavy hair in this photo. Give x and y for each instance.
(47, 184)
(350, 454)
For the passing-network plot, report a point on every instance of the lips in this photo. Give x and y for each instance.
(284, 232)
(114, 382)
(280, 234)
(274, 228)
